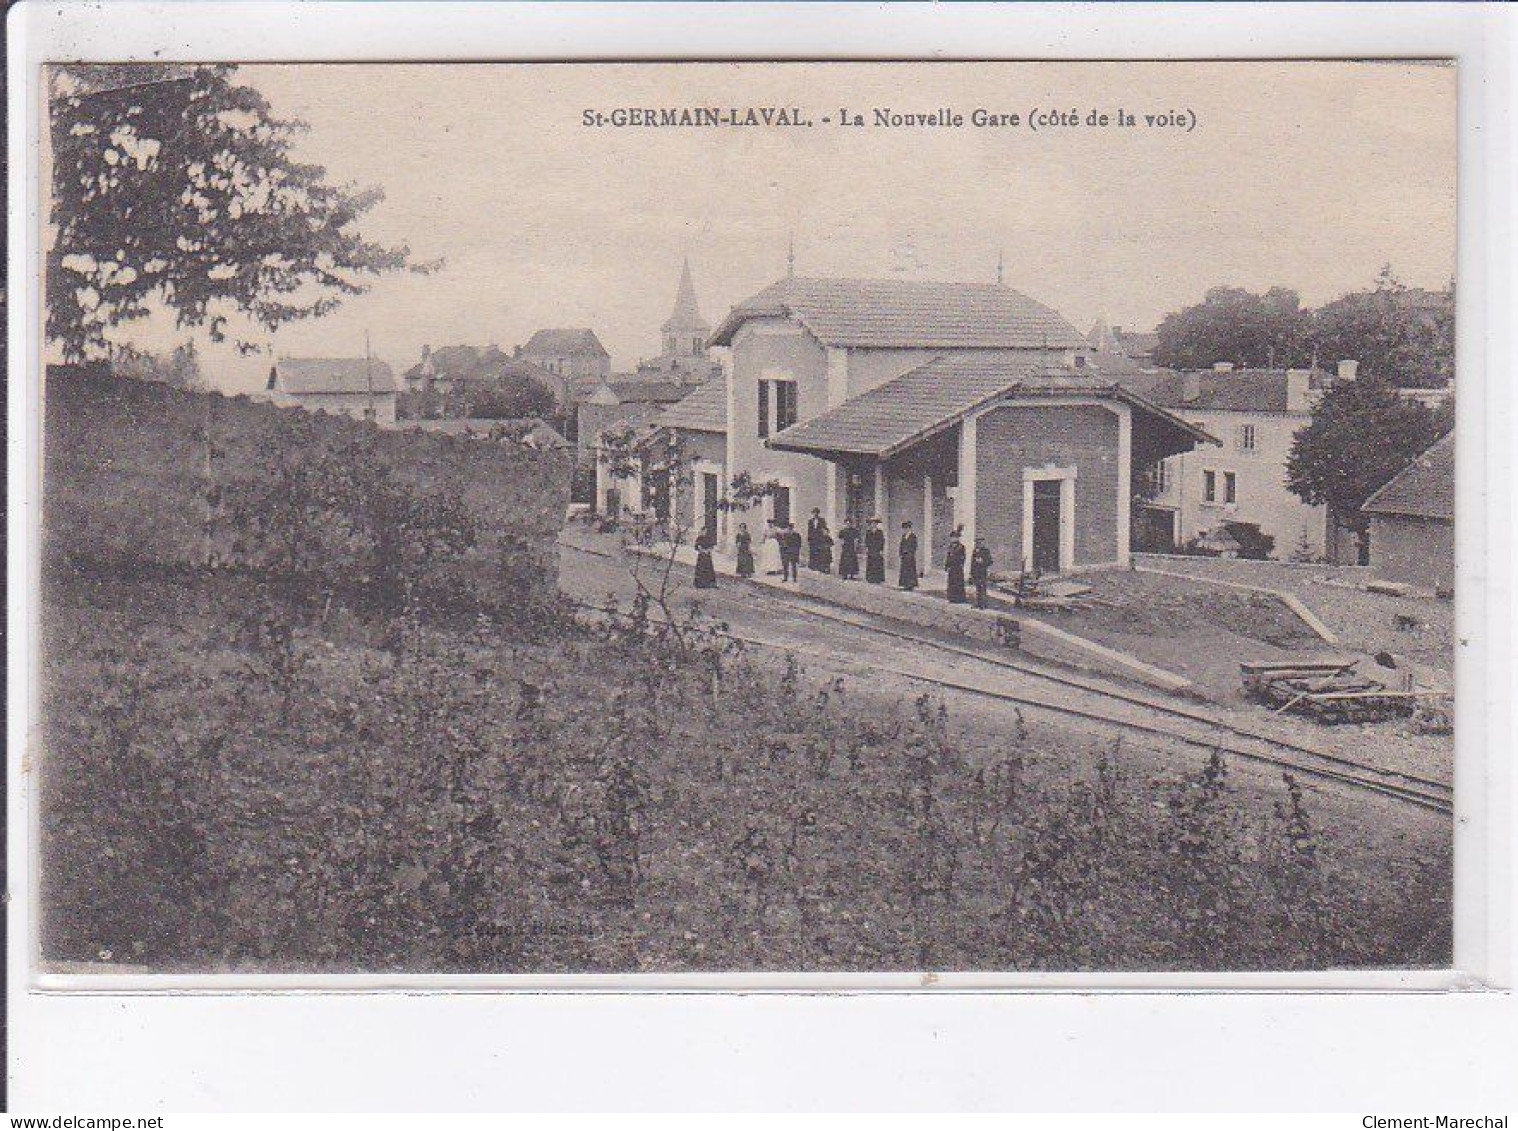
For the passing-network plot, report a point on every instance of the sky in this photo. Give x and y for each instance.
(1309, 175)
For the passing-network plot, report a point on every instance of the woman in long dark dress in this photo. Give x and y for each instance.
(907, 579)
(848, 550)
(819, 543)
(954, 563)
(706, 573)
(874, 553)
(745, 544)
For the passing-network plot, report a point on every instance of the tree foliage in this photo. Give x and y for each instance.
(1362, 433)
(1231, 324)
(1399, 334)
(177, 185)
(1404, 335)
(487, 384)
(181, 369)
(510, 396)
(321, 510)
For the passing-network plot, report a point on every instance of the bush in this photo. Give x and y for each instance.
(619, 797)
(1252, 543)
(140, 477)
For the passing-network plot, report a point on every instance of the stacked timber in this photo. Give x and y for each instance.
(1328, 691)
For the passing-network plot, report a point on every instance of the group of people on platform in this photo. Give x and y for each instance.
(782, 545)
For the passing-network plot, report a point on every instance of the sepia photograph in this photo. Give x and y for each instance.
(746, 518)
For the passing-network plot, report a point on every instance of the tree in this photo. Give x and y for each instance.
(1231, 324)
(510, 396)
(174, 184)
(661, 458)
(1361, 434)
(180, 370)
(1404, 335)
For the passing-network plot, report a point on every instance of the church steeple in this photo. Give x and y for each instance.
(685, 332)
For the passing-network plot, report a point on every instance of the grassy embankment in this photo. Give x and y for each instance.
(292, 758)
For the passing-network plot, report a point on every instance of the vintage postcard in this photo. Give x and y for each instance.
(814, 518)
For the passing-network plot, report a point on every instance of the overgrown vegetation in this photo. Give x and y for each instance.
(608, 799)
(248, 764)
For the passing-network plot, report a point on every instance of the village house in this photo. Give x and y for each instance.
(635, 401)
(363, 388)
(694, 431)
(574, 353)
(947, 405)
(619, 406)
(1220, 492)
(452, 373)
(1412, 522)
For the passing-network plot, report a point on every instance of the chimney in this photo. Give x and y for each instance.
(1298, 390)
(1222, 367)
(1348, 370)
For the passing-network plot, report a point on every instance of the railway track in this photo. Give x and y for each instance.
(1091, 701)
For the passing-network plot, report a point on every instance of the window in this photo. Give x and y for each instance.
(784, 393)
(854, 497)
(780, 505)
(1160, 475)
(1209, 486)
(1246, 437)
(1230, 487)
(785, 404)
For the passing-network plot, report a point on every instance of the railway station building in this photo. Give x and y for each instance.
(943, 404)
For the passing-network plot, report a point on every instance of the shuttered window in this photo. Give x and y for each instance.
(764, 409)
(785, 404)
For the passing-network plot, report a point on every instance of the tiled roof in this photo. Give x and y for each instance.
(653, 392)
(931, 397)
(886, 313)
(473, 366)
(704, 410)
(1424, 488)
(307, 376)
(1238, 390)
(568, 342)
